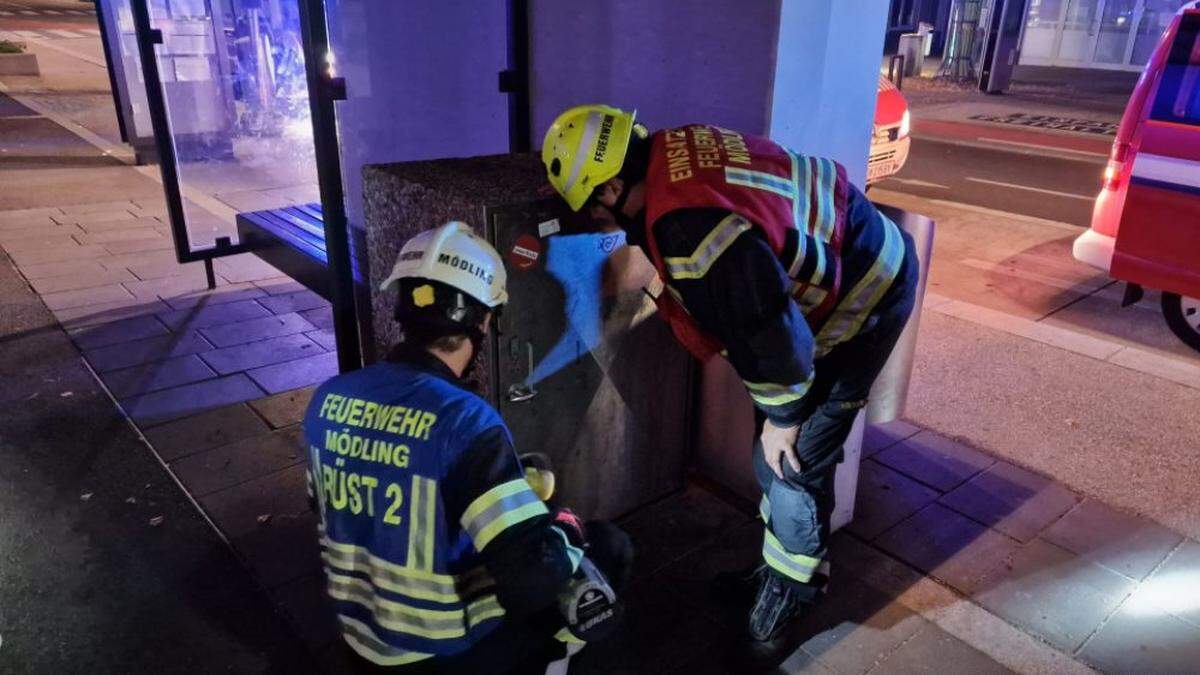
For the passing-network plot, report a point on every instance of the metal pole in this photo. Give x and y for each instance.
(323, 90)
(101, 6)
(515, 80)
(147, 38)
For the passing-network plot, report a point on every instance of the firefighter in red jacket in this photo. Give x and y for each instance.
(775, 261)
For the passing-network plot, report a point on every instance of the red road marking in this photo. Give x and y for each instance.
(935, 129)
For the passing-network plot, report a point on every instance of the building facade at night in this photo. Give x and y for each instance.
(1098, 34)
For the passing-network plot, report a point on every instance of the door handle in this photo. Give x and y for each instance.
(519, 392)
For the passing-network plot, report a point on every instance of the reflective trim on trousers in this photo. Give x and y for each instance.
(792, 565)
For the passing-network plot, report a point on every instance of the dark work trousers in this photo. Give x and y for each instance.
(801, 505)
(514, 648)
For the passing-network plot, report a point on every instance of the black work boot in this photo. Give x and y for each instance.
(781, 600)
(774, 607)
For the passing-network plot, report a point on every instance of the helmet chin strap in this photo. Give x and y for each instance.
(618, 211)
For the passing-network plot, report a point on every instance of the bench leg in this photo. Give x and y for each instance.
(210, 274)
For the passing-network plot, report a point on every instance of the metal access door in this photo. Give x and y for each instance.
(611, 387)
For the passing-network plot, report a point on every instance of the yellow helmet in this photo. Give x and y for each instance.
(584, 147)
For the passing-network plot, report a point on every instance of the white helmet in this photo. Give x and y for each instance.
(453, 255)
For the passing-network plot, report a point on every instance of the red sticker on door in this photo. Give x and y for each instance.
(525, 253)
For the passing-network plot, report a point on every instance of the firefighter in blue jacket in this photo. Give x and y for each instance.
(439, 554)
(775, 261)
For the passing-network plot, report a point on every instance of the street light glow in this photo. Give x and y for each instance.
(1173, 593)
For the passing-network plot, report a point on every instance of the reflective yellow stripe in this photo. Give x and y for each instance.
(764, 509)
(793, 565)
(769, 393)
(819, 271)
(434, 624)
(759, 180)
(416, 584)
(811, 298)
(564, 635)
(714, 244)
(484, 609)
(422, 512)
(801, 206)
(857, 305)
(500, 508)
(823, 197)
(371, 647)
(798, 194)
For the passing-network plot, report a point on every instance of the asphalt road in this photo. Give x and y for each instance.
(997, 177)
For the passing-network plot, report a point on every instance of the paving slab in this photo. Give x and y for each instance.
(155, 243)
(245, 267)
(72, 252)
(94, 217)
(1144, 639)
(1120, 541)
(160, 268)
(117, 235)
(321, 317)
(1053, 593)
(225, 466)
(305, 603)
(40, 242)
(856, 628)
(189, 399)
(325, 338)
(16, 235)
(949, 546)
(294, 302)
(96, 207)
(156, 376)
(222, 294)
(112, 293)
(656, 635)
(732, 550)
(90, 585)
(933, 651)
(205, 317)
(284, 409)
(295, 374)
(62, 268)
(256, 329)
(1175, 586)
(1015, 501)
(94, 315)
(167, 287)
(280, 285)
(264, 352)
(117, 332)
(259, 503)
(935, 460)
(110, 222)
(877, 437)
(205, 431)
(282, 551)
(677, 525)
(884, 498)
(138, 352)
(84, 278)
